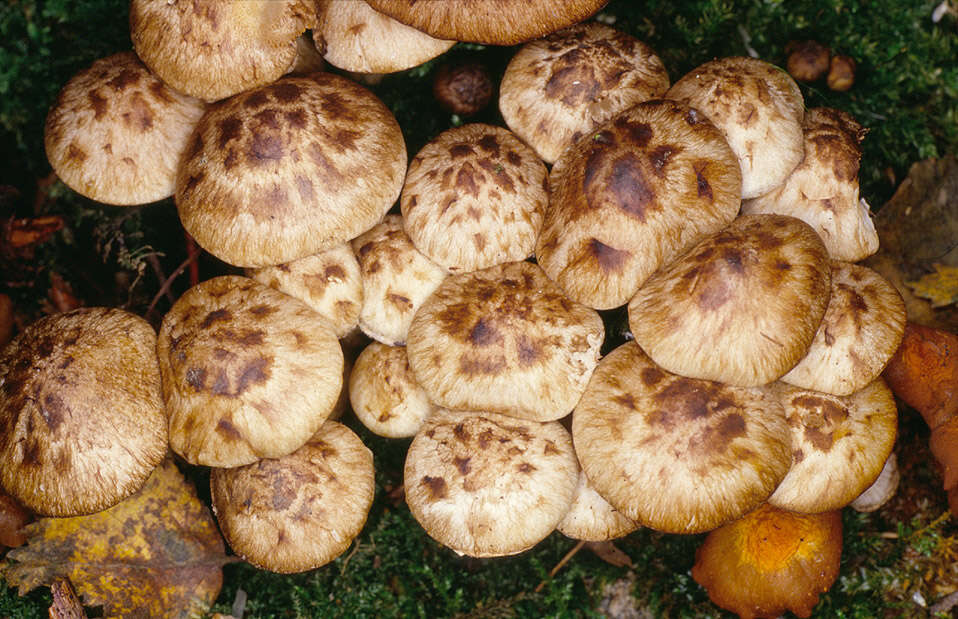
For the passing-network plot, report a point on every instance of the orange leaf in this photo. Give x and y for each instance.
(156, 554)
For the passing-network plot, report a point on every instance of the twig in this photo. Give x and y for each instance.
(945, 604)
(559, 565)
(160, 275)
(169, 282)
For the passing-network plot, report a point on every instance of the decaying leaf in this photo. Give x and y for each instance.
(940, 287)
(918, 228)
(156, 554)
(608, 552)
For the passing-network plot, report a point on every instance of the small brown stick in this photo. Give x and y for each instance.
(160, 275)
(169, 282)
(568, 556)
(192, 251)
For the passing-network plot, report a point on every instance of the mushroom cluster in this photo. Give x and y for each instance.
(478, 273)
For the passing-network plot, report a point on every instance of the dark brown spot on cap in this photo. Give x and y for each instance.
(471, 365)
(286, 92)
(659, 157)
(484, 333)
(196, 378)
(125, 78)
(651, 376)
(52, 410)
(608, 258)
(265, 147)
(460, 150)
(229, 129)
(528, 351)
(436, 487)
(573, 79)
(227, 430)
(525, 467)
(466, 181)
(256, 99)
(219, 315)
(99, 104)
(463, 465)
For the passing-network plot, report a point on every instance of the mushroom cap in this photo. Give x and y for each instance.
(881, 490)
(248, 372)
(290, 169)
(301, 511)
(329, 282)
(591, 518)
(116, 133)
(506, 340)
(397, 279)
(491, 22)
(559, 88)
(758, 107)
(213, 50)
(679, 455)
(642, 189)
(741, 307)
(487, 485)
(863, 325)
(770, 561)
(474, 197)
(356, 37)
(839, 445)
(823, 190)
(82, 423)
(384, 393)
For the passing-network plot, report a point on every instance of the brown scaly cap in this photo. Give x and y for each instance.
(506, 340)
(290, 169)
(641, 189)
(355, 37)
(676, 454)
(397, 279)
(301, 511)
(491, 22)
(559, 88)
(863, 325)
(329, 282)
(487, 485)
(741, 307)
(248, 372)
(116, 133)
(213, 49)
(384, 393)
(591, 518)
(771, 561)
(474, 197)
(758, 107)
(82, 423)
(823, 189)
(839, 445)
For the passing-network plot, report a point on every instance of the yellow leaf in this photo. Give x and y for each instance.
(940, 287)
(156, 554)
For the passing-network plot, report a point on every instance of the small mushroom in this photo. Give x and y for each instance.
(82, 422)
(741, 307)
(384, 393)
(758, 107)
(116, 133)
(464, 89)
(770, 561)
(488, 485)
(807, 60)
(591, 518)
(505, 340)
(283, 171)
(841, 73)
(329, 282)
(882, 490)
(474, 197)
(559, 88)
(355, 37)
(676, 454)
(248, 372)
(213, 50)
(301, 511)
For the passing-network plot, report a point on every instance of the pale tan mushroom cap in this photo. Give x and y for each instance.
(492, 22)
(301, 511)
(487, 485)
(823, 189)
(758, 107)
(474, 197)
(248, 372)
(591, 518)
(863, 325)
(356, 37)
(213, 49)
(82, 423)
(559, 88)
(505, 340)
(741, 307)
(290, 169)
(397, 279)
(643, 188)
(384, 393)
(881, 490)
(839, 445)
(676, 454)
(116, 133)
(329, 282)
